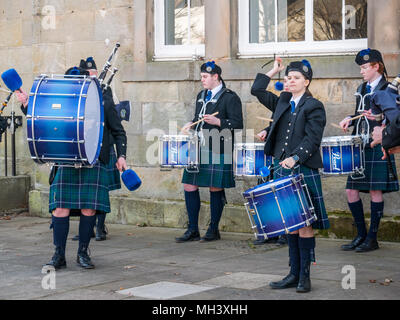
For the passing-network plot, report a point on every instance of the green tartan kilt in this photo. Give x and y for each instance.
(312, 179)
(215, 173)
(376, 173)
(84, 188)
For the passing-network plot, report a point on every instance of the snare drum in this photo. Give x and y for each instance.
(279, 207)
(249, 158)
(342, 155)
(178, 151)
(65, 120)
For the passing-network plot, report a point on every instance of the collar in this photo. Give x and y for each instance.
(215, 90)
(375, 83)
(297, 100)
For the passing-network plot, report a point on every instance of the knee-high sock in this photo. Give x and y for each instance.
(306, 246)
(60, 233)
(376, 215)
(357, 211)
(86, 225)
(216, 206)
(192, 200)
(294, 254)
(101, 218)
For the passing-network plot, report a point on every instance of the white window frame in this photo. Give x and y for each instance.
(307, 47)
(163, 52)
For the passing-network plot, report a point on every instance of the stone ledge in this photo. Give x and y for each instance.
(172, 213)
(14, 193)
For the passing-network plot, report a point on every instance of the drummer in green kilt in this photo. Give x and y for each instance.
(377, 178)
(85, 191)
(216, 134)
(294, 139)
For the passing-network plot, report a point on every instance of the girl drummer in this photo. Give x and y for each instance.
(376, 171)
(294, 140)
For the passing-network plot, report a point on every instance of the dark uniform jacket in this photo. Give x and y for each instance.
(229, 109)
(307, 123)
(391, 134)
(361, 90)
(113, 131)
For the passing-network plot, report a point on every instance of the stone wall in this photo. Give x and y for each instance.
(162, 95)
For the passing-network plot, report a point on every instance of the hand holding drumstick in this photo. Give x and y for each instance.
(208, 118)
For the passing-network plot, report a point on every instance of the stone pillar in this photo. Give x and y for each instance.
(384, 32)
(217, 29)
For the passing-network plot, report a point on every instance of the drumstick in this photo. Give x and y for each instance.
(265, 119)
(336, 125)
(356, 117)
(214, 114)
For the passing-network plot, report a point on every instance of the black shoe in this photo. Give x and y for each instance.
(354, 244)
(282, 240)
(57, 261)
(76, 238)
(101, 233)
(304, 285)
(83, 258)
(189, 235)
(264, 241)
(290, 281)
(368, 245)
(211, 235)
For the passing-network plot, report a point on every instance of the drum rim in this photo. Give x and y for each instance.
(341, 140)
(257, 146)
(252, 192)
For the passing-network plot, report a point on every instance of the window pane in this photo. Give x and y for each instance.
(327, 20)
(289, 17)
(356, 19)
(197, 29)
(179, 15)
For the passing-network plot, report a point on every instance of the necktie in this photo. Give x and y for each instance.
(208, 97)
(367, 88)
(293, 104)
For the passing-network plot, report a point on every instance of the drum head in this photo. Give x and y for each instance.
(93, 124)
(341, 140)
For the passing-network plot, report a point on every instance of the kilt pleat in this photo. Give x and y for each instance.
(376, 173)
(215, 173)
(312, 179)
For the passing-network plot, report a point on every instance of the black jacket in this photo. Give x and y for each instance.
(304, 138)
(391, 134)
(361, 90)
(114, 132)
(229, 109)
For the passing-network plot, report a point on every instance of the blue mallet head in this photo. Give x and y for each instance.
(264, 172)
(12, 79)
(131, 180)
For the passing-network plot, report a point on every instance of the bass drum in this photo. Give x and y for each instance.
(65, 120)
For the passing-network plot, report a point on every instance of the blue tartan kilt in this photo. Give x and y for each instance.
(376, 173)
(312, 179)
(214, 173)
(84, 188)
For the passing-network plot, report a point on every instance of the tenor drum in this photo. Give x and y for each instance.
(249, 158)
(342, 155)
(279, 207)
(65, 120)
(178, 151)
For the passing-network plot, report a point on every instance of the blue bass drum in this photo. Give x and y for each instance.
(279, 207)
(65, 120)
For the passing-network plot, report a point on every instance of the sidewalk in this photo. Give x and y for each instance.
(146, 263)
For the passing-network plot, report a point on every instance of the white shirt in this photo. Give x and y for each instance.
(375, 83)
(215, 91)
(296, 101)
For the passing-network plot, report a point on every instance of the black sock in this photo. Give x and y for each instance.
(101, 218)
(357, 211)
(60, 233)
(86, 225)
(192, 200)
(376, 215)
(294, 254)
(216, 206)
(306, 246)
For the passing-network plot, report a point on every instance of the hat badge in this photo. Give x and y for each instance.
(89, 64)
(366, 57)
(305, 68)
(209, 69)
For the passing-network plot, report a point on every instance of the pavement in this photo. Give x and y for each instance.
(145, 263)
